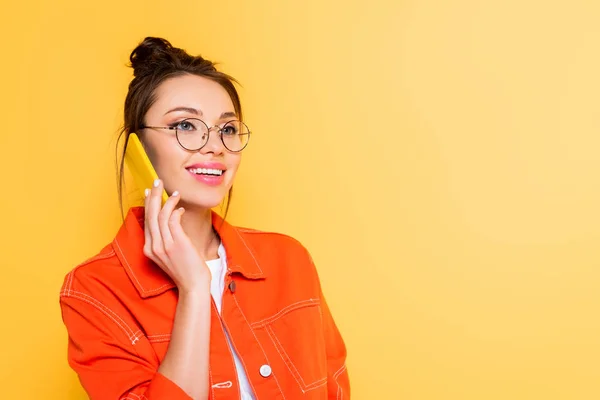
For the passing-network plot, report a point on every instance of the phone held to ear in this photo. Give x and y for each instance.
(140, 166)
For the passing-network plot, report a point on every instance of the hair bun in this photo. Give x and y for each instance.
(150, 51)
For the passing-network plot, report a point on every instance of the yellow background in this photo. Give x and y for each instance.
(440, 159)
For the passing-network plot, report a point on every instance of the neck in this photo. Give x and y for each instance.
(197, 225)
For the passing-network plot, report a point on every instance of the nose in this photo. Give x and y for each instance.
(214, 143)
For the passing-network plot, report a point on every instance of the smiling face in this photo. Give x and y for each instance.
(202, 177)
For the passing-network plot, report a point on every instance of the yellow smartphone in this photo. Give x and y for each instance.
(140, 166)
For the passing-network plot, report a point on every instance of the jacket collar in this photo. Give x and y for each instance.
(150, 280)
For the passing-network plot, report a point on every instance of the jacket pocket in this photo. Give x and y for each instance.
(297, 335)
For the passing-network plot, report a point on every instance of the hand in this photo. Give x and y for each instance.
(167, 244)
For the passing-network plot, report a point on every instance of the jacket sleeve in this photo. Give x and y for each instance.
(111, 359)
(338, 381)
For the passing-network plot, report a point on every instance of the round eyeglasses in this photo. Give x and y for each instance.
(193, 133)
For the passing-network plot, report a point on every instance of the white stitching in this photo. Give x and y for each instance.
(339, 372)
(244, 272)
(66, 283)
(128, 266)
(340, 392)
(133, 394)
(230, 352)
(100, 256)
(69, 278)
(158, 289)
(321, 315)
(284, 361)
(285, 310)
(210, 381)
(71, 281)
(222, 385)
(250, 251)
(159, 340)
(258, 342)
(285, 357)
(131, 335)
(163, 337)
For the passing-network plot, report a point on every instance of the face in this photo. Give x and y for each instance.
(193, 173)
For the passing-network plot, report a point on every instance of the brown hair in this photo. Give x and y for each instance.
(153, 61)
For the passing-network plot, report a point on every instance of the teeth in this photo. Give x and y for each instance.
(206, 171)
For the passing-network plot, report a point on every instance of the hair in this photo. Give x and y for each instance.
(155, 60)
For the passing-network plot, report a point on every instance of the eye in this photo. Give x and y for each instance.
(185, 125)
(230, 130)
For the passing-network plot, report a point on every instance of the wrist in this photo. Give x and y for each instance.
(195, 292)
(195, 287)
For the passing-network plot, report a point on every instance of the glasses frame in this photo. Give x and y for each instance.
(219, 129)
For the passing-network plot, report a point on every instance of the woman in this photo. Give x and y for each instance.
(181, 304)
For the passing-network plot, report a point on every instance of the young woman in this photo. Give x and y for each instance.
(181, 304)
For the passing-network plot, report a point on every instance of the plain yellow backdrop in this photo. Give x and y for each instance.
(440, 160)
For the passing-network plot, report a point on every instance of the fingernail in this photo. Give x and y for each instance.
(146, 192)
(181, 210)
(175, 193)
(156, 182)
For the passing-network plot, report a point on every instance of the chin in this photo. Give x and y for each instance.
(203, 201)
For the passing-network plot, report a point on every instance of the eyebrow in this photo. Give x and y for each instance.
(227, 114)
(186, 109)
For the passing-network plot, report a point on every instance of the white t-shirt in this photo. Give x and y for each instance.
(218, 269)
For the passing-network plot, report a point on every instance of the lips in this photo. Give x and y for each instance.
(208, 173)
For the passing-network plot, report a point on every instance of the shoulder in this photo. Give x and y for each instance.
(92, 276)
(259, 236)
(281, 255)
(95, 297)
(283, 245)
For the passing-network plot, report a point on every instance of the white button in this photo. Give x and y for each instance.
(265, 371)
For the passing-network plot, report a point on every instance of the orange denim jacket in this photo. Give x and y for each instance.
(118, 308)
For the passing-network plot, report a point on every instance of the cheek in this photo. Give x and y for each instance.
(160, 161)
(164, 156)
(234, 163)
(149, 148)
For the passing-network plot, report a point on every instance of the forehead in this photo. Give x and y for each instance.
(192, 91)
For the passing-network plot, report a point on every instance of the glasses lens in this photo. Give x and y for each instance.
(235, 135)
(192, 133)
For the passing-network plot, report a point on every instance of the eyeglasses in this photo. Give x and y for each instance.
(193, 133)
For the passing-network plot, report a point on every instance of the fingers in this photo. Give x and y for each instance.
(175, 226)
(159, 241)
(165, 241)
(147, 236)
(164, 216)
(152, 203)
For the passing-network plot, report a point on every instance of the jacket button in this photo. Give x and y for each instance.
(265, 371)
(232, 286)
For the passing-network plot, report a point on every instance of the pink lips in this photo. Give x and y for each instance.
(211, 180)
